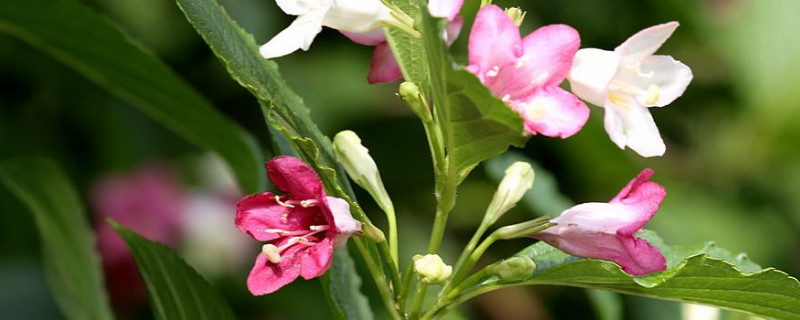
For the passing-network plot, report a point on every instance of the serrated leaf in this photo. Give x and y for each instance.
(702, 274)
(94, 47)
(408, 51)
(340, 278)
(176, 290)
(285, 112)
(481, 126)
(71, 265)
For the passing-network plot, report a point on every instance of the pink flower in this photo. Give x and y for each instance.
(302, 227)
(607, 230)
(148, 201)
(525, 73)
(383, 67)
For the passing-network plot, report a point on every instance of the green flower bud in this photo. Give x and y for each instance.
(431, 269)
(513, 269)
(409, 92)
(518, 180)
(360, 167)
(516, 15)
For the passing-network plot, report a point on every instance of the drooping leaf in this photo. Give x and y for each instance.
(286, 113)
(701, 274)
(176, 290)
(94, 47)
(71, 264)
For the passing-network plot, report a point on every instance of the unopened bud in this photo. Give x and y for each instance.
(409, 92)
(360, 167)
(372, 232)
(516, 15)
(431, 269)
(513, 269)
(517, 181)
(523, 229)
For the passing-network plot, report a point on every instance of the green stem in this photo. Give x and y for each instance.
(419, 299)
(460, 270)
(390, 216)
(387, 258)
(378, 276)
(402, 294)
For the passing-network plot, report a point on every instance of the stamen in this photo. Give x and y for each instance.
(319, 228)
(272, 252)
(540, 79)
(520, 63)
(652, 94)
(493, 72)
(281, 203)
(534, 110)
(308, 203)
(287, 233)
(506, 98)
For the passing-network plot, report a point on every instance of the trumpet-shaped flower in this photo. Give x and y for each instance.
(525, 72)
(301, 227)
(384, 67)
(627, 81)
(608, 230)
(356, 16)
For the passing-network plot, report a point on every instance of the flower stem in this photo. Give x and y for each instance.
(379, 277)
(460, 270)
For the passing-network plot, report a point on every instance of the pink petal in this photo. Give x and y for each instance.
(646, 42)
(293, 176)
(643, 197)
(267, 277)
(494, 41)
(546, 61)
(371, 38)
(315, 261)
(553, 112)
(445, 8)
(383, 67)
(258, 213)
(453, 29)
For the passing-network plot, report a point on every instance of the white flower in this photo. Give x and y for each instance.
(357, 16)
(627, 81)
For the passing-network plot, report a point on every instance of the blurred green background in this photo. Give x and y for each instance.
(732, 167)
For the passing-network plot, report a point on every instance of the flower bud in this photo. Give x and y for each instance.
(513, 269)
(518, 180)
(516, 15)
(523, 229)
(431, 269)
(409, 92)
(360, 167)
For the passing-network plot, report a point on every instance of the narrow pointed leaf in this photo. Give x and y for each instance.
(71, 265)
(176, 290)
(89, 43)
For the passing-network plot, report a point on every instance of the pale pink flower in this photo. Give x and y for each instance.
(608, 230)
(526, 72)
(383, 66)
(627, 81)
(302, 227)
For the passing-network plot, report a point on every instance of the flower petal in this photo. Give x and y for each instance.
(633, 126)
(592, 70)
(257, 214)
(372, 38)
(315, 261)
(298, 35)
(357, 16)
(267, 277)
(301, 7)
(494, 41)
(669, 75)
(453, 29)
(383, 67)
(553, 112)
(644, 43)
(447, 9)
(549, 51)
(344, 222)
(292, 175)
(642, 198)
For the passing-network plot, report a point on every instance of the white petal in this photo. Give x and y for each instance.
(357, 16)
(592, 70)
(646, 42)
(343, 220)
(298, 35)
(597, 217)
(301, 7)
(638, 130)
(669, 75)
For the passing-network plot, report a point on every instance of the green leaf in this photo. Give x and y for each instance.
(408, 51)
(285, 112)
(343, 284)
(93, 46)
(701, 274)
(176, 290)
(71, 265)
(481, 126)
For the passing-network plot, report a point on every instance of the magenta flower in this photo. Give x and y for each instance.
(525, 73)
(383, 67)
(302, 227)
(608, 230)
